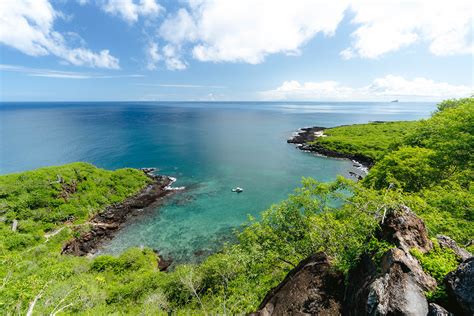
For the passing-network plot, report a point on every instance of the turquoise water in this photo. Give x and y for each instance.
(209, 147)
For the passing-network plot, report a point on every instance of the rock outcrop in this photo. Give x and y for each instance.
(446, 242)
(406, 230)
(398, 286)
(313, 288)
(394, 286)
(460, 287)
(305, 137)
(436, 310)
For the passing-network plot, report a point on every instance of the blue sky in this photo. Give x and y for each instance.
(88, 50)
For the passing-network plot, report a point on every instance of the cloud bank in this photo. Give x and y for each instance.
(385, 88)
(28, 27)
(248, 31)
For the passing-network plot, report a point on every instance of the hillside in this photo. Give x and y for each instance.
(430, 171)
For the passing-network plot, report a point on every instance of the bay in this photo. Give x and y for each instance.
(210, 147)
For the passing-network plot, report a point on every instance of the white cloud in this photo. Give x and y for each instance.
(28, 26)
(130, 10)
(172, 57)
(386, 26)
(179, 28)
(248, 30)
(170, 54)
(385, 88)
(49, 73)
(153, 55)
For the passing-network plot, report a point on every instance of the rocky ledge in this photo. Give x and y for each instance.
(305, 137)
(105, 225)
(395, 285)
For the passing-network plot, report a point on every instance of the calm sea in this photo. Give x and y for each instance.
(209, 147)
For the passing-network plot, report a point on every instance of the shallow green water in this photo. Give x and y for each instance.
(209, 147)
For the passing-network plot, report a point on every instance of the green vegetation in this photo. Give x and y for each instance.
(438, 263)
(41, 200)
(427, 166)
(371, 140)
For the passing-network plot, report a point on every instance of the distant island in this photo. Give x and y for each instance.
(398, 241)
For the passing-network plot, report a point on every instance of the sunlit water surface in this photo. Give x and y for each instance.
(209, 147)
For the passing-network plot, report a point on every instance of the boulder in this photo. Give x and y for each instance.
(446, 242)
(436, 310)
(396, 293)
(358, 288)
(406, 230)
(313, 287)
(410, 266)
(396, 284)
(460, 287)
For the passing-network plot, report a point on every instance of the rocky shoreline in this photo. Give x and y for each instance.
(107, 223)
(307, 135)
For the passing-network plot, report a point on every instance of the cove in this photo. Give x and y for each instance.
(210, 147)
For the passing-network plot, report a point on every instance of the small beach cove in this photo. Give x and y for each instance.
(209, 147)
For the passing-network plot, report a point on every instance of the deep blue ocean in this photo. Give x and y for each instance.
(210, 147)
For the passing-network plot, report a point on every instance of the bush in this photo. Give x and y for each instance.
(409, 168)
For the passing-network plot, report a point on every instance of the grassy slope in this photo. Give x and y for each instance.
(40, 203)
(30, 259)
(372, 140)
(236, 279)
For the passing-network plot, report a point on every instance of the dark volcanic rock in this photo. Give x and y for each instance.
(358, 288)
(396, 293)
(163, 263)
(397, 286)
(313, 287)
(446, 242)
(436, 310)
(394, 286)
(460, 287)
(406, 230)
(307, 135)
(396, 290)
(107, 223)
(410, 266)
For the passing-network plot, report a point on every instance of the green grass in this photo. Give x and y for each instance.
(371, 140)
(43, 199)
(425, 165)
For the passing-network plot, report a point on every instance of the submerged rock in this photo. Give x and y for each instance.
(460, 287)
(313, 287)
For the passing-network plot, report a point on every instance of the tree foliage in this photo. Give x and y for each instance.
(426, 165)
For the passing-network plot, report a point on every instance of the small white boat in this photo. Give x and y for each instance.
(238, 190)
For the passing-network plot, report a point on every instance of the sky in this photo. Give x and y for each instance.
(229, 50)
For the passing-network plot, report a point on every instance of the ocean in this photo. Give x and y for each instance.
(210, 147)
